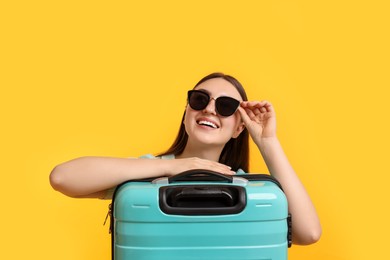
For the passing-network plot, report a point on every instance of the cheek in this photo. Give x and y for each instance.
(233, 125)
(234, 120)
(189, 115)
(238, 118)
(186, 115)
(230, 123)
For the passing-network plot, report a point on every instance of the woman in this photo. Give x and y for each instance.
(214, 136)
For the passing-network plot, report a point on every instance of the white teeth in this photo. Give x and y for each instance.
(202, 122)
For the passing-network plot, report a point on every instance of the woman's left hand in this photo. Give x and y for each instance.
(259, 118)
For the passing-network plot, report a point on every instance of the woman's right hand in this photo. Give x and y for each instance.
(90, 177)
(176, 166)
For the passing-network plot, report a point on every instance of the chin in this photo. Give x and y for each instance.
(211, 140)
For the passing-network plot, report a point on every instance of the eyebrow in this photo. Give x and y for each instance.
(204, 90)
(209, 93)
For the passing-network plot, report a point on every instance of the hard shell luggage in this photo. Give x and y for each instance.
(200, 214)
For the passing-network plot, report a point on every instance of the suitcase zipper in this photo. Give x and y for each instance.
(109, 214)
(289, 230)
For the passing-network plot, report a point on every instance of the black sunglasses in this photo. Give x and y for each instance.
(225, 106)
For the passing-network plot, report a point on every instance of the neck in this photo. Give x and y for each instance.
(211, 153)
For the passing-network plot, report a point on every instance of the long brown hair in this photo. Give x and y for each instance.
(236, 151)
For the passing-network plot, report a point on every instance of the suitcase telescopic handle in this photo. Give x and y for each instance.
(200, 175)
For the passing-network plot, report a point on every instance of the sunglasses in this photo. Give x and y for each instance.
(225, 106)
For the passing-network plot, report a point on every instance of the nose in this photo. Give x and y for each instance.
(210, 108)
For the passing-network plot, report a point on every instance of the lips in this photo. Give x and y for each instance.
(207, 122)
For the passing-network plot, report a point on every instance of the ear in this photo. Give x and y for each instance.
(239, 129)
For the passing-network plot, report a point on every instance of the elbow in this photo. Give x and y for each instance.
(316, 237)
(58, 181)
(313, 237)
(310, 237)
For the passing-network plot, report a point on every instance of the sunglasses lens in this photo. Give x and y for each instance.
(226, 106)
(198, 100)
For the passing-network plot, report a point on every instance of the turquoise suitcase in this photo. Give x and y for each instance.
(200, 214)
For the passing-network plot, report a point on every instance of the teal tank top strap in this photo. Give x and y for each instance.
(240, 172)
(151, 156)
(168, 157)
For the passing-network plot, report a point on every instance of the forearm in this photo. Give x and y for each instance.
(306, 226)
(90, 175)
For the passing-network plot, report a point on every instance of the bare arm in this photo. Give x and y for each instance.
(259, 118)
(90, 177)
(305, 225)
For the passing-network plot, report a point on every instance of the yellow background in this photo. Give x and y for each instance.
(109, 78)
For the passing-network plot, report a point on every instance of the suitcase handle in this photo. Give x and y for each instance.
(194, 196)
(200, 175)
(202, 199)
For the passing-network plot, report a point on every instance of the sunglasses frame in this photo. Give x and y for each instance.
(217, 101)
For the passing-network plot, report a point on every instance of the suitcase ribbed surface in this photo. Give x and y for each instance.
(208, 229)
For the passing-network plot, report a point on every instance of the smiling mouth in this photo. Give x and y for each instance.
(207, 123)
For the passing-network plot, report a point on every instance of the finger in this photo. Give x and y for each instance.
(267, 105)
(253, 117)
(222, 168)
(252, 103)
(244, 115)
(264, 106)
(248, 116)
(256, 103)
(257, 111)
(248, 106)
(216, 166)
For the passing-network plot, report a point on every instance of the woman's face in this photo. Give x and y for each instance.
(207, 126)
